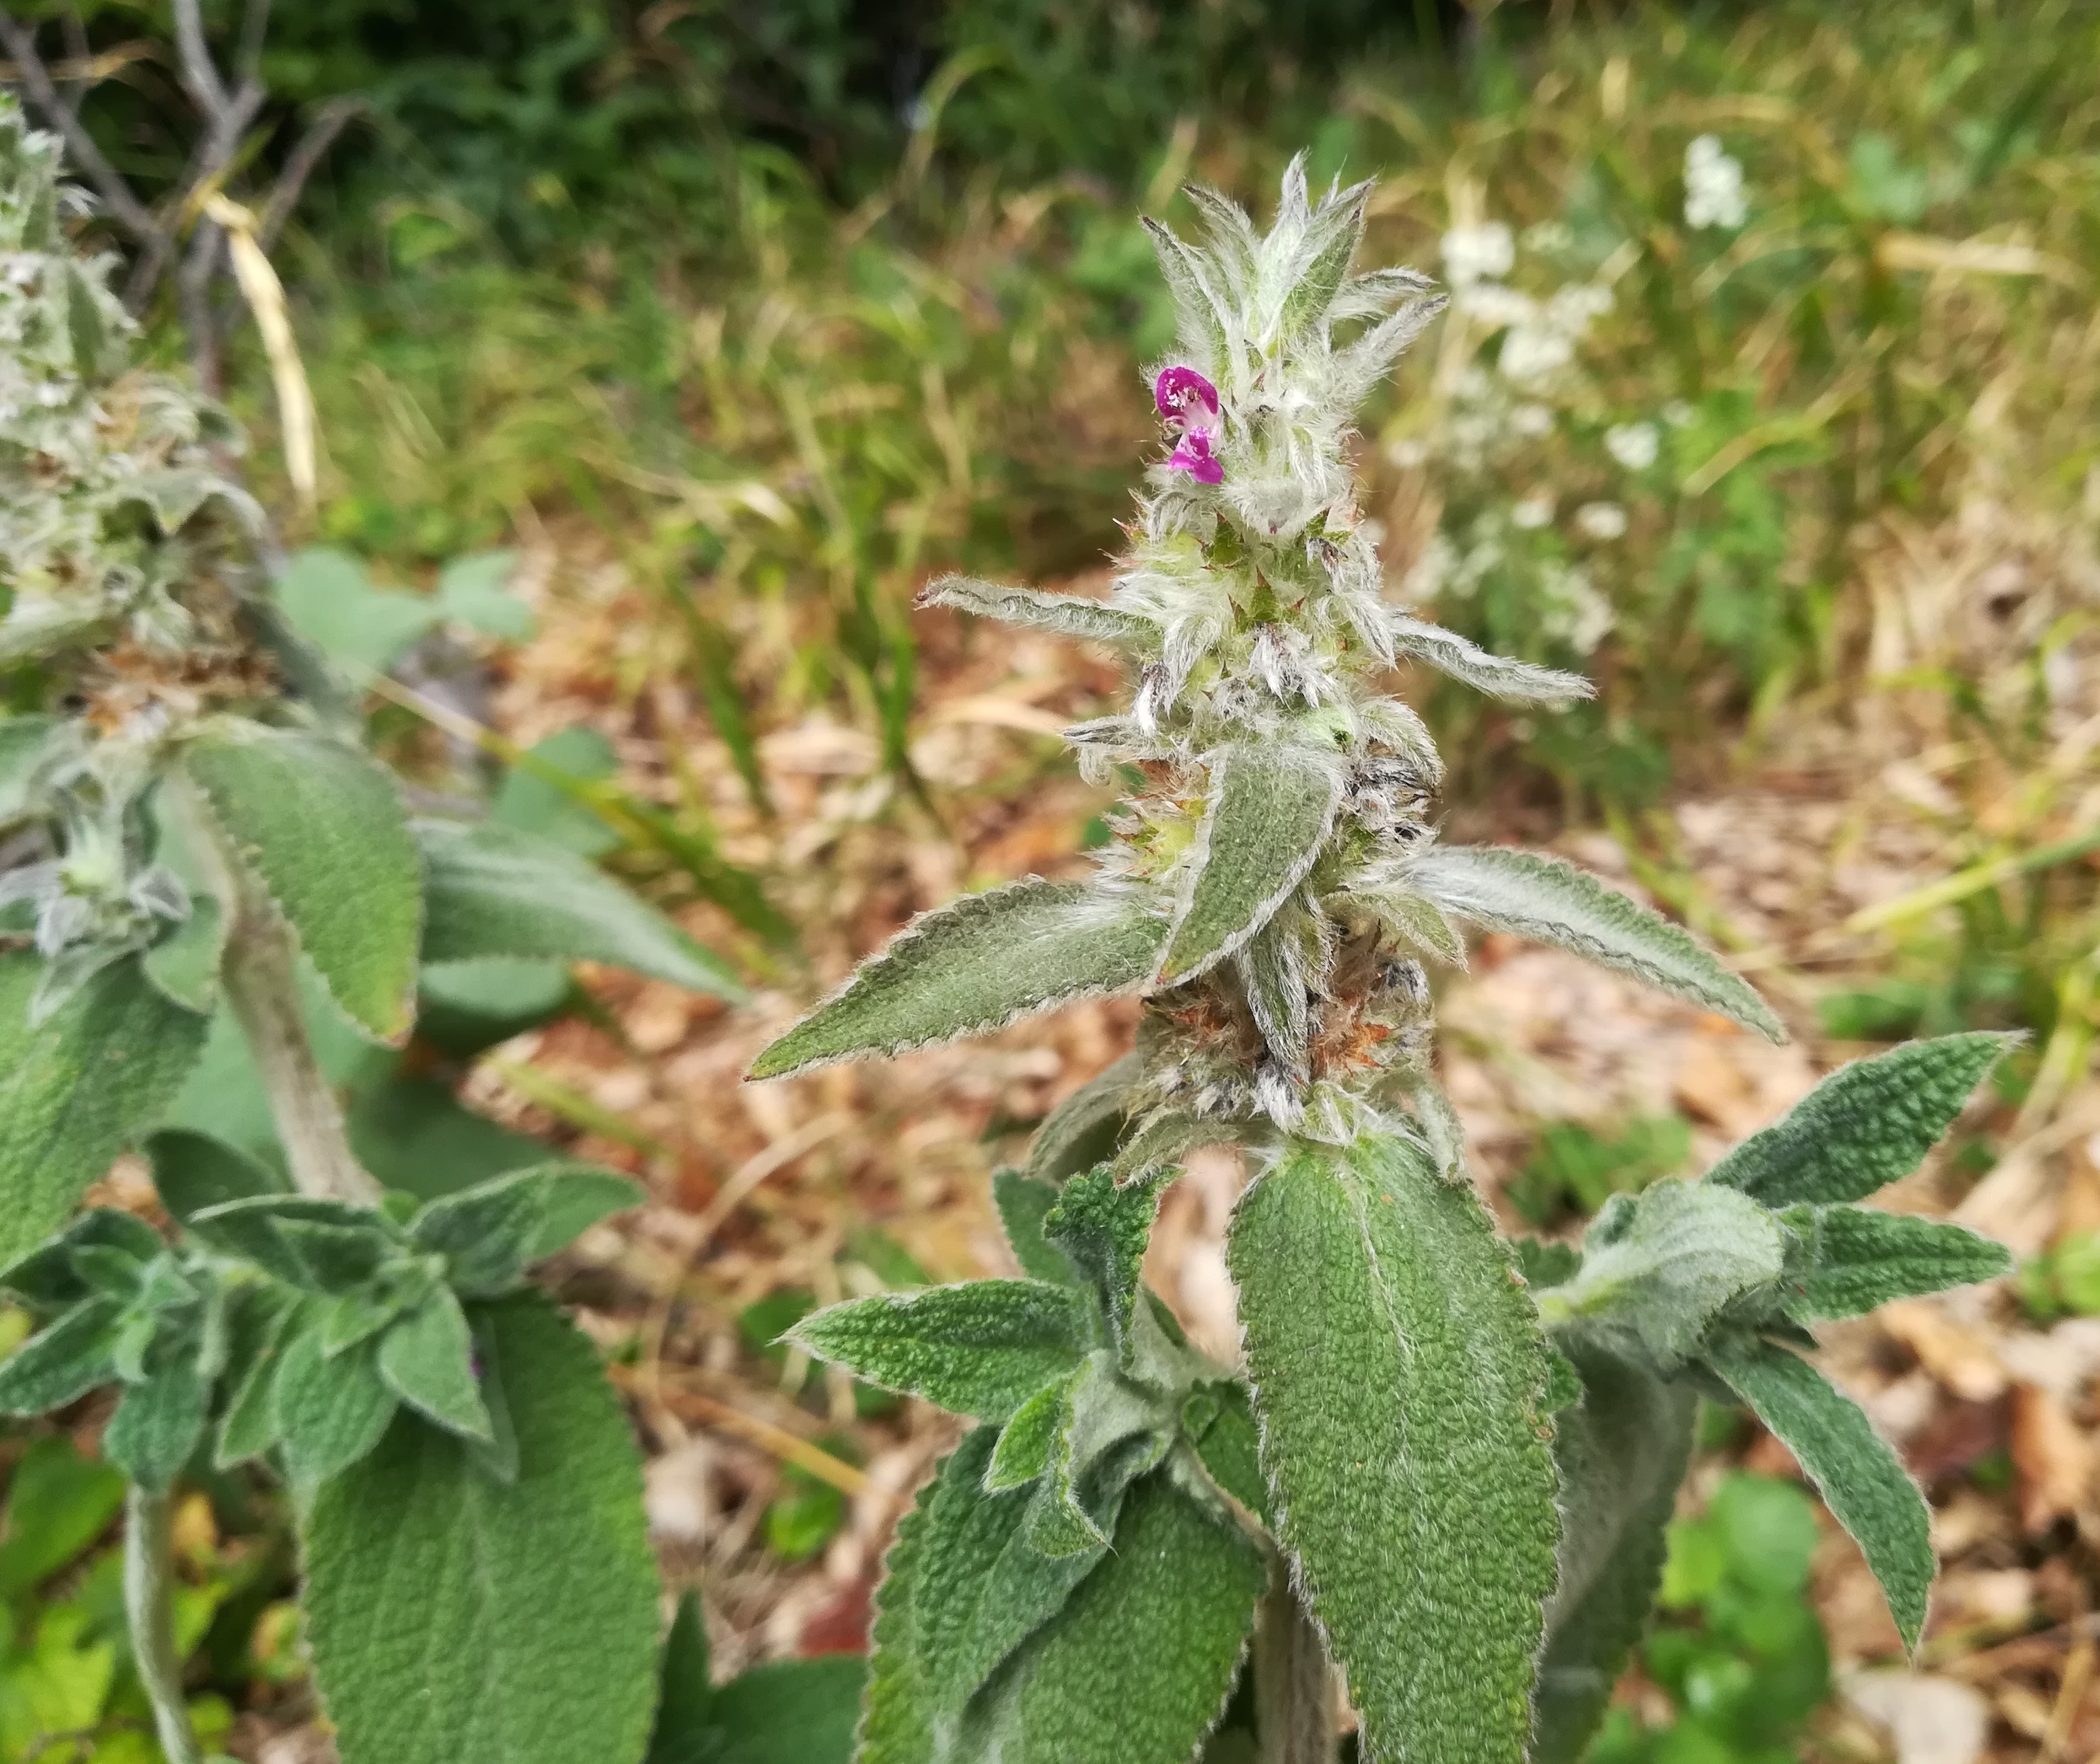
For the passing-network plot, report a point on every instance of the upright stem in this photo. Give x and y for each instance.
(1293, 1687)
(148, 1575)
(261, 985)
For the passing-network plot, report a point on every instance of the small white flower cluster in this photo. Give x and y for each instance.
(1539, 335)
(1713, 187)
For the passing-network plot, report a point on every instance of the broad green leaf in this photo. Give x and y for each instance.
(319, 826)
(491, 891)
(413, 1135)
(58, 1503)
(1857, 1258)
(1024, 1201)
(329, 1413)
(789, 1712)
(1026, 1440)
(465, 1008)
(1271, 808)
(1397, 1369)
(974, 965)
(1531, 895)
(683, 1732)
(1103, 1230)
(962, 1589)
(249, 1427)
(184, 964)
(1068, 614)
(1545, 1264)
(427, 1360)
(1136, 1666)
(1688, 1251)
(337, 1257)
(49, 1278)
(249, 1229)
(1864, 1126)
(193, 1171)
(491, 1233)
(1082, 1131)
(454, 1619)
(1109, 1430)
(1620, 1450)
(981, 1348)
(1857, 1471)
(533, 805)
(158, 1425)
(1499, 675)
(62, 1362)
(330, 599)
(77, 1091)
(476, 591)
(1229, 1443)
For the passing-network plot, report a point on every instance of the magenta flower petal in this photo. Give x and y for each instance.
(1193, 455)
(1185, 398)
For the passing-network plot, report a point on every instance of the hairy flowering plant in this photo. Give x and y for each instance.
(1445, 1465)
(211, 878)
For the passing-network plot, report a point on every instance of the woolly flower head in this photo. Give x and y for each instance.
(1713, 187)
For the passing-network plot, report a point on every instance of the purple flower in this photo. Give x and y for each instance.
(1188, 404)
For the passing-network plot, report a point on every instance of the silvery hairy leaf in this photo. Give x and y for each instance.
(1270, 807)
(1530, 895)
(1398, 1370)
(494, 892)
(1683, 1253)
(1855, 1258)
(975, 965)
(1067, 615)
(1499, 675)
(982, 1348)
(318, 825)
(1866, 1125)
(1622, 1450)
(1857, 1471)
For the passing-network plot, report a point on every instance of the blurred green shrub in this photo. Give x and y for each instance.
(1575, 1170)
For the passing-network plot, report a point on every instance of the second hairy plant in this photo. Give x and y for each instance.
(1447, 1462)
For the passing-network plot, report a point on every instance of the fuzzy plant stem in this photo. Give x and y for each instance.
(1293, 1684)
(148, 1581)
(261, 985)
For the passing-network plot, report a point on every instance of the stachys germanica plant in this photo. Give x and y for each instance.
(1445, 1465)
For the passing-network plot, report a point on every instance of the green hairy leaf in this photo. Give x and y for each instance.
(962, 1589)
(1068, 614)
(158, 1425)
(79, 1087)
(491, 1233)
(455, 1619)
(251, 1229)
(1416, 920)
(426, 1358)
(789, 1712)
(331, 601)
(1857, 1258)
(49, 1277)
(1498, 675)
(1865, 1125)
(1030, 1436)
(1084, 1130)
(184, 964)
(1530, 895)
(62, 1363)
(1622, 1451)
(1230, 1444)
(1688, 1251)
(974, 965)
(1109, 1430)
(1271, 806)
(193, 1171)
(249, 1427)
(1135, 1667)
(1103, 1230)
(1857, 1471)
(319, 826)
(1024, 1202)
(979, 1348)
(494, 892)
(1397, 1369)
(329, 1413)
(24, 741)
